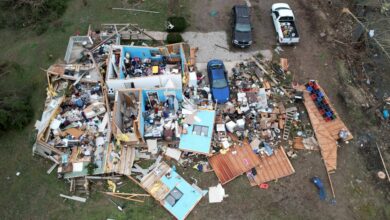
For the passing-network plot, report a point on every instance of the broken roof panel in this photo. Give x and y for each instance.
(199, 132)
(190, 196)
(171, 190)
(238, 160)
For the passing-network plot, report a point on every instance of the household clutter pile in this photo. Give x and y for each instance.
(256, 111)
(79, 127)
(162, 118)
(288, 29)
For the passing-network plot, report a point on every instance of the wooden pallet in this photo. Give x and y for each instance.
(290, 112)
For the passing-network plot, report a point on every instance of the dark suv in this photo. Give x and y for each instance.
(241, 26)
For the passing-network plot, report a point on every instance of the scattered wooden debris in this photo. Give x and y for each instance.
(128, 196)
(75, 198)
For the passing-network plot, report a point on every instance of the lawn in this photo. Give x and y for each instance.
(34, 194)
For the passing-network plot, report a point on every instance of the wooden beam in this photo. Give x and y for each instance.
(138, 10)
(135, 181)
(126, 196)
(75, 198)
(52, 168)
(383, 162)
(103, 177)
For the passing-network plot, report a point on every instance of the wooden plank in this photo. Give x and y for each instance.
(52, 168)
(137, 10)
(75, 198)
(383, 162)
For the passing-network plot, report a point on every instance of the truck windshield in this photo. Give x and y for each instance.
(219, 83)
(243, 27)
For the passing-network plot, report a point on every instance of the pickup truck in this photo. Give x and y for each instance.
(284, 22)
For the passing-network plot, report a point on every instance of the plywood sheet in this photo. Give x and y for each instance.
(272, 167)
(238, 160)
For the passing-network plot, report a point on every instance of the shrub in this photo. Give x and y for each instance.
(16, 110)
(179, 24)
(91, 168)
(21, 13)
(173, 38)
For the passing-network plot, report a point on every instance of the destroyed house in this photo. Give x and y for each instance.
(146, 67)
(170, 189)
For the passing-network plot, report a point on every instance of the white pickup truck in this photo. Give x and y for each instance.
(284, 22)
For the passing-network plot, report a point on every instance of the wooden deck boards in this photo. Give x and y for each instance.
(272, 167)
(238, 160)
(327, 133)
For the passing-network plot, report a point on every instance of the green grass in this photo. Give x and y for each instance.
(34, 194)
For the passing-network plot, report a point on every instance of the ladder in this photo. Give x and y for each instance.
(290, 112)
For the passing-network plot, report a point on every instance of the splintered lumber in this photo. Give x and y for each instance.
(103, 177)
(75, 198)
(269, 75)
(127, 196)
(264, 70)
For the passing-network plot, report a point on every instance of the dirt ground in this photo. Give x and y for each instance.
(359, 194)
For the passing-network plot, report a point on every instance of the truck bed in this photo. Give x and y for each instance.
(289, 29)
